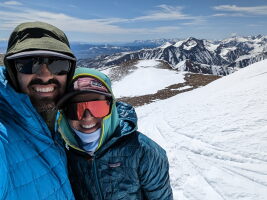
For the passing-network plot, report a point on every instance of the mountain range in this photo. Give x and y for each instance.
(84, 50)
(87, 50)
(220, 57)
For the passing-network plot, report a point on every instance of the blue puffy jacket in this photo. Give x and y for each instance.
(32, 165)
(127, 165)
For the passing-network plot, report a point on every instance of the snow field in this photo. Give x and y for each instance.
(215, 136)
(146, 80)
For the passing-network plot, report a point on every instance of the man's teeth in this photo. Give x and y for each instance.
(47, 89)
(88, 126)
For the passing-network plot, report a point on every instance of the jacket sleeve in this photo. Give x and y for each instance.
(3, 169)
(154, 172)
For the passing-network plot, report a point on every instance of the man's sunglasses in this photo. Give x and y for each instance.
(32, 65)
(99, 109)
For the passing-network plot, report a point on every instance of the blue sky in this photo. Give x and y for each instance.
(107, 21)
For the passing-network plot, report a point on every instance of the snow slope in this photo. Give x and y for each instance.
(146, 79)
(215, 136)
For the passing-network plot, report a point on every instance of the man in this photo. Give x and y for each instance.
(38, 67)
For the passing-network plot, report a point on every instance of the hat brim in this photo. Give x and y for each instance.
(39, 53)
(70, 95)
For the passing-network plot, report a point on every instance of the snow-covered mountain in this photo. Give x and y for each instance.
(84, 50)
(89, 51)
(195, 55)
(215, 136)
(152, 43)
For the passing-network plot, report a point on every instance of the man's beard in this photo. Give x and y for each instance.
(44, 104)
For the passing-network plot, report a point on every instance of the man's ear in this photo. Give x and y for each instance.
(11, 74)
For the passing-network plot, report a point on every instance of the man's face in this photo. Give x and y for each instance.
(43, 87)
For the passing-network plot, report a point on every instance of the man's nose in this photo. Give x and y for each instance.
(44, 73)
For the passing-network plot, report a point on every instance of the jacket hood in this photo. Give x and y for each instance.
(36, 38)
(121, 121)
(18, 107)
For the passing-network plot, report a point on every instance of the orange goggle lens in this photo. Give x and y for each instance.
(99, 109)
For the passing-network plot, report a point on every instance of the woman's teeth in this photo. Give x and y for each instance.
(88, 126)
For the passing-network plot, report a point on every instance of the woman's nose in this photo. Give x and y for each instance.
(87, 115)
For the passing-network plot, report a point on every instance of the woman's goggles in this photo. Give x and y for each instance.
(32, 65)
(99, 109)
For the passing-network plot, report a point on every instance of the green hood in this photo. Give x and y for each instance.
(109, 123)
(36, 37)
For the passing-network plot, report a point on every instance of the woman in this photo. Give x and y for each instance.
(107, 157)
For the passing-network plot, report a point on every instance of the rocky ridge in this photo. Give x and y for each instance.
(195, 55)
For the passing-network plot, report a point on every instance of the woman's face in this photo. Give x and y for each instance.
(88, 123)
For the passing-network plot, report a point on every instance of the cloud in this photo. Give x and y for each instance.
(164, 13)
(162, 29)
(13, 3)
(72, 6)
(67, 23)
(229, 15)
(196, 21)
(15, 15)
(233, 34)
(256, 25)
(255, 10)
(10, 19)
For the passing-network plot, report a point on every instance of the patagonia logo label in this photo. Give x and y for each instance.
(67, 146)
(113, 165)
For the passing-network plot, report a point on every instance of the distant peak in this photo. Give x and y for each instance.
(165, 45)
(191, 38)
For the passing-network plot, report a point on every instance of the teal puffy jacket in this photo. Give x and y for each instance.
(32, 165)
(126, 165)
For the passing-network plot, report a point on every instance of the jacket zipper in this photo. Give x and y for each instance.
(96, 178)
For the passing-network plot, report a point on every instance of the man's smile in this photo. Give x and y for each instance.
(44, 90)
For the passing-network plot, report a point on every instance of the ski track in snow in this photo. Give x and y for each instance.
(215, 137)
(195, 151)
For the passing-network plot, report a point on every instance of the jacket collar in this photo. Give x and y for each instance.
(19, 107)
